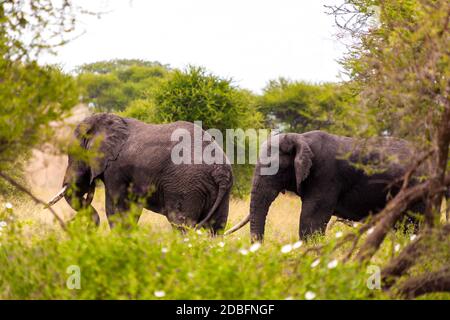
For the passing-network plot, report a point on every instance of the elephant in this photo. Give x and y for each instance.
(134, 161)
(322, 169)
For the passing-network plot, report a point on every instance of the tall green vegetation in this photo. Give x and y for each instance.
(31, 96)
(113, 85)
(196, 95)
(297, 106)
(399, 66)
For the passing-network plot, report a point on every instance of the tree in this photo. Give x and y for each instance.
(399, 66)
(301, 106)
(113, 85)
(110, 66)
(32, 96)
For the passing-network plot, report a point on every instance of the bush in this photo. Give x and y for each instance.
(113, 85)
(301, 106)
(150, 264)
(32, 97)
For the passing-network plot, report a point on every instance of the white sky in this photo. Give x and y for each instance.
(251, 41)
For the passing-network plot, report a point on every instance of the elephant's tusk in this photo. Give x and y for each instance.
(238, 226)
(57, 197)
(90, 195)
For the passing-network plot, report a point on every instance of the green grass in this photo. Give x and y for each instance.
(136, 264)
(140, 263)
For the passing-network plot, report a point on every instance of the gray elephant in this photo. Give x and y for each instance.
(133, 160)
(322, 169)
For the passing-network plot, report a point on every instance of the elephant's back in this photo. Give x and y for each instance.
(159, 140)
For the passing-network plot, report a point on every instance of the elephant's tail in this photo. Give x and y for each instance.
(224, 179)
(222, 191)
(238, 226)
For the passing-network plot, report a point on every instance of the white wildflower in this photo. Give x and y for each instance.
(332, 264)
(3, 224)
(413, 237)
(189, 245)
(370, 230)
(397, 247)
(244, 252)
(254, 247)
(338, 234)
(221, 244)
(164, 250)
(309, 295)
(315, 263)
(190, 275)
(199, 232)
(159, 294)
(8, 205)
(355, 225)
(186, 239)
(286, 248)
(297, 245)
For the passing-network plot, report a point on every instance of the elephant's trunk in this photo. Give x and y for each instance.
(262, 196)
(76, 198)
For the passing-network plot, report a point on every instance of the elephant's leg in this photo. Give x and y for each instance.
(95, 216)
(118, 200)
(177, 227)
(110, 208)
(413, 217)
(78, 203)
(118, 210)
(447, 211)
(315, 215)
(184, 211)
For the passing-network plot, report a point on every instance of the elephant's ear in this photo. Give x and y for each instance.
(303, 158)
(106, 136)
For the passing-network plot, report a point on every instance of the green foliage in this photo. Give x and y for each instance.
(400, 69)
(195, 95)
(111, 66)
(302, 106)
(139, 263)
(113, 85)
(142, 109)
(30, 27)
(32, 96)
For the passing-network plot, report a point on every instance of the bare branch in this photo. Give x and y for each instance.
(33, 197)
(431, 282)
(390, 215)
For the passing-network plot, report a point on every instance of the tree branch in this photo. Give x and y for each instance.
(410, 256)
(431, 282)
(17, 185)
(390, 215)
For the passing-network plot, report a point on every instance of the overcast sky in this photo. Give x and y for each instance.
(251, 41)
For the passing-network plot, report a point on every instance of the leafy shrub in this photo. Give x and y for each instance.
(150, 264)
(297, 106)
(113, 85)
